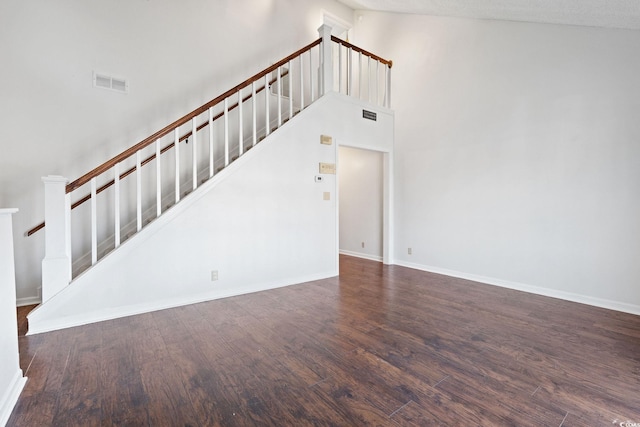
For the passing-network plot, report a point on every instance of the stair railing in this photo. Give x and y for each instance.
(183, 138)
(285, 88)
(362, 74)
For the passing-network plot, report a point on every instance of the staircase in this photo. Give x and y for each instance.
(134, 196)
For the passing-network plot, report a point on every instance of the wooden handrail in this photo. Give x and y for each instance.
(128, 172)
(164, 131)
(387, 62)
(185, 119)
(35, 229)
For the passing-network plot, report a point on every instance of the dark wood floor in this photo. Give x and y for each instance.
(379, 345)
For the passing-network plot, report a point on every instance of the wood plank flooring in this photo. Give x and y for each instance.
(380, 345)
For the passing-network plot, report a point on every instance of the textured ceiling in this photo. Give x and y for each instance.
(593, 13)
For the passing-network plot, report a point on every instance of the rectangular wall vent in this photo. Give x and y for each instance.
(105, 81)
(366, 114)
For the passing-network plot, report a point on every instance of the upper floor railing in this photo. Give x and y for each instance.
(362, 74)
(218, 132)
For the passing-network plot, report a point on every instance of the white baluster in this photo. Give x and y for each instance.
(240, 125)
(388, 71)
(254, 113)
(67, 218)
(339, 68)
(369, 79)
(311, 79)
(290, 91)
(266, 105)
(320, 70)
(301, 82)
(194, 152)
(377, 83)
(176, 138)
(138, 190)
(360, 75)
(349, 72)
(226, 132)
(211, 159)
(94, 222)
(279, 83)
(116, 204)
(158, 179)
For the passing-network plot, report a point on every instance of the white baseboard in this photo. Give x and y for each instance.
(37, 326)
(10, 396)
(20, 302)
(548, 292)
(360, 255)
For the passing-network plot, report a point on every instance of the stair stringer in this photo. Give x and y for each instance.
(83, 262)
(261, 223)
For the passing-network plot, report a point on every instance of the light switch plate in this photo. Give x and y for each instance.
(328, 168)
(326, 139)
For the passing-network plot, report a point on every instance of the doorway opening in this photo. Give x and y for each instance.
(361, 187)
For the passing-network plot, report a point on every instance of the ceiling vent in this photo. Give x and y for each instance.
(105, 81)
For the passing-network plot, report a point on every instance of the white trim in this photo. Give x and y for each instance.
(387, 172)
(337, 24)
(376, 258)
(21, 302)
(336, 191)
(387, 206)
(537, 290)
(117, 312)
(10, 397)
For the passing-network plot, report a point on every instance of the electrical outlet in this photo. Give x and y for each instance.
(409, 251)
(214, 275)
(363, 244)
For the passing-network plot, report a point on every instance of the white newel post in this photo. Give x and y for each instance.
(326, 67)
(11, 379)
(56, 265)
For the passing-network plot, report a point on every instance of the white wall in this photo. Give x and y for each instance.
(11, 380)
(360, 181)
(517, 152)
(261, 223)
(176, 56)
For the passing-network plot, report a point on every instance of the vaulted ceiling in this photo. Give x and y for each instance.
(593, 13)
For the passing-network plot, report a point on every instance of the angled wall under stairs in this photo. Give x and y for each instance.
(262, 223)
